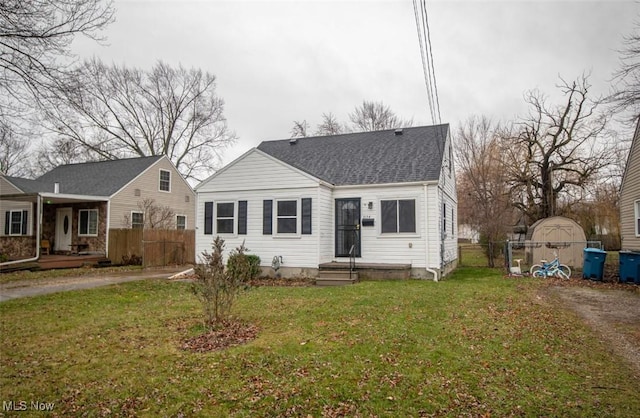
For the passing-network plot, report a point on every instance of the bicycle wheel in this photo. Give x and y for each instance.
(537, 271)
(564, 272)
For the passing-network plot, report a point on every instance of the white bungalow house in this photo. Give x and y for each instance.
(382, 199)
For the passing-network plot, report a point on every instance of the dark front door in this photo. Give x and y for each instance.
(347, 227)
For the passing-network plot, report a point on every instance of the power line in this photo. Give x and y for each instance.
(426, 55)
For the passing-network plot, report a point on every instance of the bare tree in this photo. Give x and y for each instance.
(484, 199)
(555, 151)
(154, 215)
(625, 96)
(36, 34)
(330, 125)
(300, 129)
(115, 111)
(11, 151)
(375, 116)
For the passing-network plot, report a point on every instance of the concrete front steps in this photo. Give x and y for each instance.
(337, 273)
(336, 277)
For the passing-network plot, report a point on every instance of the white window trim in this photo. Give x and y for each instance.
(185, 221)
(19, 234)
(393, 235)
(636, 205)
(88, 234)
(141, 213)
(274, 221)
(235, 218)
(160, 180)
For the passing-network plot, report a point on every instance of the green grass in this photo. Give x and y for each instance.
(471, 345)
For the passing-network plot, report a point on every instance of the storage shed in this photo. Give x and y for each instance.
(559, 234)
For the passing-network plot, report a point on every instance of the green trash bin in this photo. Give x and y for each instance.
(593, 267)
(629, 267)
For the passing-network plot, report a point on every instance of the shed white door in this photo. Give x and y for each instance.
(64, 221)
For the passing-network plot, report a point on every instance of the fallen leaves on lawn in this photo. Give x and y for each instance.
(230, 334)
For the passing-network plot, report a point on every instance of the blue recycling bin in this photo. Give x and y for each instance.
(629, 267)
(593, 267)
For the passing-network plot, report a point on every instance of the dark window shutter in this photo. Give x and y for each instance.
(7, 222)
(242, 217)
(267, 217)
(208, 218)
(25, 214)
(306, 216)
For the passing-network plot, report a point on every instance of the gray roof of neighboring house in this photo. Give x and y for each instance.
(367, 157)
(102, 178)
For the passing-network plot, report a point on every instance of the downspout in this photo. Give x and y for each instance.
(106, 238)
(26, 260)
(426, 216)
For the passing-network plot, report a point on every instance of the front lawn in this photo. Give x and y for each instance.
(474, 344)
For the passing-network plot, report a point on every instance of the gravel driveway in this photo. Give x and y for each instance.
(26, 288)
(612, 310)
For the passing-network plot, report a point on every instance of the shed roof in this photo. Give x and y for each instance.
(379, 157)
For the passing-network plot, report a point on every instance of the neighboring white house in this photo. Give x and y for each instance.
(386, 196)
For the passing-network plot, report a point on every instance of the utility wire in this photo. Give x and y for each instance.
(426, 55)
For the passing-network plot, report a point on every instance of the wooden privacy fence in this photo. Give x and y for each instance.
(156, 247)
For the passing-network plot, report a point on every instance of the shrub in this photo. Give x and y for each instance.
(244, 266)
(216, 287)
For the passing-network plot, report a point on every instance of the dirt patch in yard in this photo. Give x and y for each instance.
(611, 309)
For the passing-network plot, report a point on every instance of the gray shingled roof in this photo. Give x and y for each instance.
(27, 185)
(367, 157)
(102, 178)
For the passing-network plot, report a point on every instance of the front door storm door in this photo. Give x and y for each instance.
(347, 227)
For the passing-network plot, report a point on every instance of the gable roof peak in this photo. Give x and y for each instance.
(376, 157)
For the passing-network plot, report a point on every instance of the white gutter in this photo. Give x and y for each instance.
(426, 216)
(26, 260)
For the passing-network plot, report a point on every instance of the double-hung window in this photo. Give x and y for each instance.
(88, 222)
(287, 216)
(181, 222)
(225, 215)
(137, 220)
(398, 216)
(165, 181)
(16, 222)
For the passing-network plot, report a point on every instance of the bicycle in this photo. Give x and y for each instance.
(552, 268)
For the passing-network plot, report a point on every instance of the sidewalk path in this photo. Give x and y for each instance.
(26, 288)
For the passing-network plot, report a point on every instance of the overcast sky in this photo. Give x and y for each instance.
(280, 61)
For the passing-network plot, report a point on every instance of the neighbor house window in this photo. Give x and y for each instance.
(398, 216)
(88, 222)
(181, 222)
(638, 218)
(137, 220)
(165, 180)
(16, 222)
(224, 218)
(287, 216)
